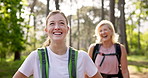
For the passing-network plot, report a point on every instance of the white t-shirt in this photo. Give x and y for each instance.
(58, 65)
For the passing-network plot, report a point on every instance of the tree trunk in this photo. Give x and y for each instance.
(123, 25)
(139, 44)
(70, 33)
(78, 45)
(131, 31)
(57, 4)
(102, 10)
(31, 11)
(47, 8)
(34, 45)
(112, 12)
(17, 55)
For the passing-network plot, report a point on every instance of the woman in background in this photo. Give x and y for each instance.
(106, 58)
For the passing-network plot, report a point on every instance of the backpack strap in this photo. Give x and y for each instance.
(118, 51)
(118, 55)
(44, 63)
(95, 52)
(102, 54)
(72, 62)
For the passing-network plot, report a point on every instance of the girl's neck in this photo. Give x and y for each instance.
(59, 49)
(107, 44)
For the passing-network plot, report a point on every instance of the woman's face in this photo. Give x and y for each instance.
(105, 33)
(57, 28)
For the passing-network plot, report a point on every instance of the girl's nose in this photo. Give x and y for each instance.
(57, 26)
(102, 32)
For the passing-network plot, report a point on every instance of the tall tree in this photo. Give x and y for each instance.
(34, 24)
(141, 16)
(112, 12)
(47, 8)
(102, 8)
(70, 19)
(31, 6)
(87, 24)
(122, 24)
(57, 4)
(78, 30)
(32, 10)
(70, 31)
(11, 27)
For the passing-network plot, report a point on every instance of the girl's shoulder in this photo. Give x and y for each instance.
(82, 53)
(33, 53)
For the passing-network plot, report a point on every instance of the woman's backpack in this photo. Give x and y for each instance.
(44, 62)
(118, 54)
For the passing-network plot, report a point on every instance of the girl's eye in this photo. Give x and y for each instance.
(100, 31)
(51, 24)
(105, 29)
(62, 23)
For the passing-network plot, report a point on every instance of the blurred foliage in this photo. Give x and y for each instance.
(7, 69)
(137, 63)
(11, 29)
(89, 17)
(134, 22)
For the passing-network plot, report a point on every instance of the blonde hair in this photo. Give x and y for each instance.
(47, 42)
(115, 36)
(55, 12)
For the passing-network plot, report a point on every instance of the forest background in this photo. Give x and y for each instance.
(22, 23)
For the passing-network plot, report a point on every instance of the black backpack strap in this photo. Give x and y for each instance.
(118, 51)
(95, 52)
(44, 63)
(72, 62)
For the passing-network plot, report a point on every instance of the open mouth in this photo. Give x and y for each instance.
(105, 36)
(57, 33)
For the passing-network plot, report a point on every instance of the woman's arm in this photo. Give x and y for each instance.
(27, 66)
(19, 75)
(90, 50)
(124, 64)
(97, 75)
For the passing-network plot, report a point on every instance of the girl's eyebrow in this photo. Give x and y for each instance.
(51, 21)
(61, 20)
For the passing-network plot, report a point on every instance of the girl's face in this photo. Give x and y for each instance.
(57, 28)
(105, 33)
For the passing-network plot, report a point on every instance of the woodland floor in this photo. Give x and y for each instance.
(139, 74)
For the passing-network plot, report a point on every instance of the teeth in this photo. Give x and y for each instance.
(57, 33)
(104, 36)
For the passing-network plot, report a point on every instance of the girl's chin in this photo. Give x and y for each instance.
(58, 39)
(104, 40)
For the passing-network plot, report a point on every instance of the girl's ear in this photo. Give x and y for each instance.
(45, 29)
(68, 27)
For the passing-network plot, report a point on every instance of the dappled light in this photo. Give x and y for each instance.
(23, 23)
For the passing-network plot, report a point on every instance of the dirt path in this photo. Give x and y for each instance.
(139, 75)
(134, 74)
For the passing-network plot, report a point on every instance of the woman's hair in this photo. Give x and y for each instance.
(47, 42)
(56, 12)
(115, 36)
